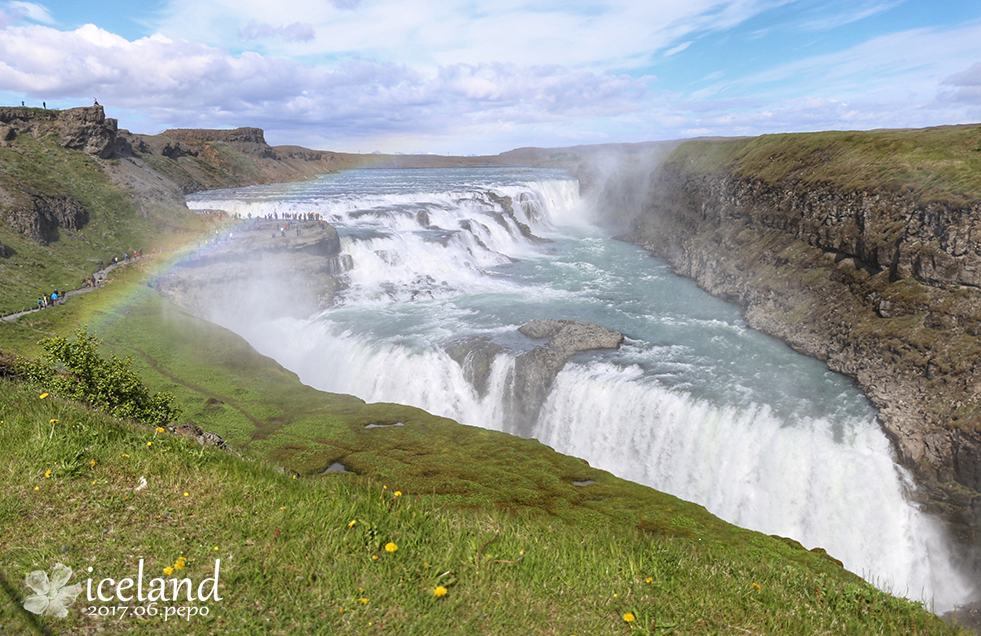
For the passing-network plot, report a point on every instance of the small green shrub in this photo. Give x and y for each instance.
(105, 384)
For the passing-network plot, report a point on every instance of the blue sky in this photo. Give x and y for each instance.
(465, 77)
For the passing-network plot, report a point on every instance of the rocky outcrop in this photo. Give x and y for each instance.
(507, 204)
(535, 370)
(258, 270)
(877, 282)
(84, 129)
(475, 355)
(88, 130)
(45, 216)
(250, 141)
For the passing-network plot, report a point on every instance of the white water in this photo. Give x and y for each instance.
(695, 404)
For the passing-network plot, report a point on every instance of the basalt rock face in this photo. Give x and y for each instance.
(878, 283)
(250, 141)
(535, 370)
(200, 159)
(42, 220)
(88, 130)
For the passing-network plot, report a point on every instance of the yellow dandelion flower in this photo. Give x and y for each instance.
(168, 570)
(615, 595)
(92, 463)
(216, 548)
(364, 601)
(391, 547)
(187, 494)
(341, 610)
(52, 421)
(757, 587)
(439, 591)
(294, 476)
(43, 395)
(629, 618)
(160, 429)
(47, 474)
(37, 488)
(384, 487)
(282, 507)
(425, 565)
(398, 493)
(179, 565)
(374, 557)
(351, 523)
(125, 455)
(649, 579)
(93, 483)
(149, 443)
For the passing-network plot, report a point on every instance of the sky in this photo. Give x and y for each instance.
(482, 77)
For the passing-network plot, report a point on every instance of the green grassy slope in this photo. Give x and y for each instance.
(42, 167)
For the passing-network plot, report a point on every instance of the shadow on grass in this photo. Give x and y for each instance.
(29, 618)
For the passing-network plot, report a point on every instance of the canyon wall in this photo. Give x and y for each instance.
(828, 248)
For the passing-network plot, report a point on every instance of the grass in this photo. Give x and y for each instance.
(292, 561)
(935, 164)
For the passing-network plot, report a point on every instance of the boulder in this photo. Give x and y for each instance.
(535, 370)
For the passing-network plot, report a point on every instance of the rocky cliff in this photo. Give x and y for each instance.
(84, 129)
(260, 270)
(863, 251)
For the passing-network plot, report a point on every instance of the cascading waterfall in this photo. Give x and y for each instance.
(695, 404)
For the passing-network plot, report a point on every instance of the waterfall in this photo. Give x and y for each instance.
(696, 404)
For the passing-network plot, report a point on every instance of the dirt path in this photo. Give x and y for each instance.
(75, 292)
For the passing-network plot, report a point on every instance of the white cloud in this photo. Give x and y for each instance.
(180, 83)
(296, 32)
(31, 11)
(677, 49)
(422, 33)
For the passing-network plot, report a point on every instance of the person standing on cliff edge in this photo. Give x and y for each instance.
(96, 100)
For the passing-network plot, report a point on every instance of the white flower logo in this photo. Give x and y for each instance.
(53, 597)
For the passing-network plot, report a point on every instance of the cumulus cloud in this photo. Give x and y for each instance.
(184, 83)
